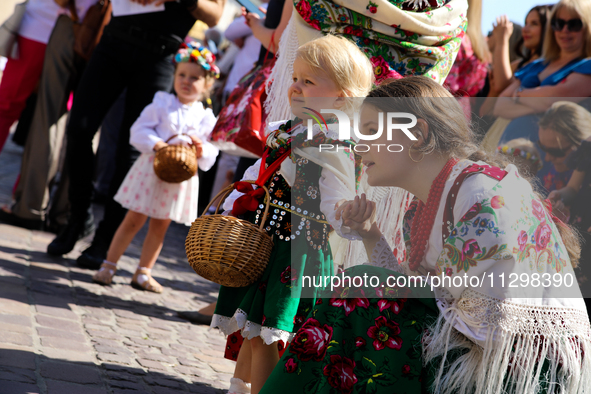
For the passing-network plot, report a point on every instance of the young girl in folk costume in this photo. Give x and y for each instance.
(142, 192)
(471, 218)
(304, 189)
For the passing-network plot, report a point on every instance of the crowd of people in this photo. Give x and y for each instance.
(491, 180)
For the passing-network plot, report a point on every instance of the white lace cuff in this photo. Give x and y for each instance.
(382, 256)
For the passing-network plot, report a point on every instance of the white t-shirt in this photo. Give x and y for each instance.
(39, 19)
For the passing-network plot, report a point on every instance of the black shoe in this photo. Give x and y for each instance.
(13, 220)
(195, 317)
(93, 256)
(66, 240)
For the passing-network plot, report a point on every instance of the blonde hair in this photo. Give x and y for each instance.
(474, 31)
(342, 60)
(568, 119)
(551, 50)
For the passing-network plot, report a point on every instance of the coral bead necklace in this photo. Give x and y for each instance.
(425, 217)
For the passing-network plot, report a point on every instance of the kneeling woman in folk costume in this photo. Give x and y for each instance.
(512, 321)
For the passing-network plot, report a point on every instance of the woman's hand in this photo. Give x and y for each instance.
(198, 144)
(359, 215)
(556, 199)
(253, 20)
(502, 29)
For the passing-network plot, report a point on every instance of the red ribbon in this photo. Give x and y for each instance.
(249, 201)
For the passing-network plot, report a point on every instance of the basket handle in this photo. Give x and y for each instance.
(178, 135)
(226, 191)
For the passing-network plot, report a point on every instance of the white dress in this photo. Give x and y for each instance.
(142, 191)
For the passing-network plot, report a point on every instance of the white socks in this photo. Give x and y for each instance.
(237, 386)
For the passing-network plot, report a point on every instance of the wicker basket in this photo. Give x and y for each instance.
(175, 163)
(226, 250)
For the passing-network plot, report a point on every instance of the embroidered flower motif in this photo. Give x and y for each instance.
(470, 248)
(384, 334)
(340, 373)
(342, 300)
(405, 369)
(472, 212)
(311, 341)
(522, 240)
(449, 271)
(291, 366)
(382, 69)
(542, 236)
(286, 275)
(497, 202)
(538, 209)
(372, 7)
(359, 342)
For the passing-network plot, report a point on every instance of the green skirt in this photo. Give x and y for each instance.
(272, 307)
(358, 345)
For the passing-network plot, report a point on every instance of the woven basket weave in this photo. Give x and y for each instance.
(175, 163)
(226, 250)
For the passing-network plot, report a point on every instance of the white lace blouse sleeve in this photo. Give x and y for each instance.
(332, 191)
(382, 256)
(143, 135)
(251, 174)
(210, 152)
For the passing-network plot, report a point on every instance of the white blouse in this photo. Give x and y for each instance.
(166, 117)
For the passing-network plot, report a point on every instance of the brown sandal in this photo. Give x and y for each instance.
(105, 274)
(142, 280)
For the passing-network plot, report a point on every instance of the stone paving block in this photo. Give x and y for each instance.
(145, 342)
(128, 377)
(61, 387)
(69, 355)
(113, 350)
(15, 356)
(69, 335)
(16, 307)
(15, 319)
(18, 374)
(129, 315)
(106, 342)
(151, 364)
(62, 313)
(64, 343)
(17, 338)
(15, 328)
(116, 358)
(12, 387)
(222, 368)
(104, 334)
(70, 372)
(158, 379)
(119, 385)
(156, 357)
(123, 369)
(59, 324)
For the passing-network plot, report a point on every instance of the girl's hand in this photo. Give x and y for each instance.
(555, 198)
(503, 29)
(198, 145)
(159, 145)
(359, 215)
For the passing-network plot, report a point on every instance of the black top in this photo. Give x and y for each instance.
(581, 208)
(175, 20)
(274, 11)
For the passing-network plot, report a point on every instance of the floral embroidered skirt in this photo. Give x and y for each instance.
(142, 191)
(271, 307)
(358, 345)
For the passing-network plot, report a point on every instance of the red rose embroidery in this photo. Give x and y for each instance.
(382, 70)
(373, 9)
(291, 366)
(304, 10)
(286, 275)
(340, 374)
(472, 212)
(311, 341)
(522, 240)
(360, 342)
(384, 334)
(542, 236)
(405, 369)
(538, 209)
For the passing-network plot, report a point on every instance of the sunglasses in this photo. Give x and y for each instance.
(556, 152)
(574, 25)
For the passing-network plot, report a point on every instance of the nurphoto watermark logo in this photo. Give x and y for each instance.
(345, 126)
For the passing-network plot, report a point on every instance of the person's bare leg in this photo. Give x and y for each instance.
(209, 310)
(264, 360)
(150, 252)
(125, 233)
(240, 382)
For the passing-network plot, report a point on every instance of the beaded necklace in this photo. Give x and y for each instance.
(422, 223)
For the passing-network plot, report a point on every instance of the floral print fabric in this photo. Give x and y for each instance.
(400, 37)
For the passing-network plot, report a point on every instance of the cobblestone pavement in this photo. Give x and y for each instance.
(60, 333)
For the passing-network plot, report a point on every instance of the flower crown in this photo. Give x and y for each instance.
(535, 159)
(195, 53)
